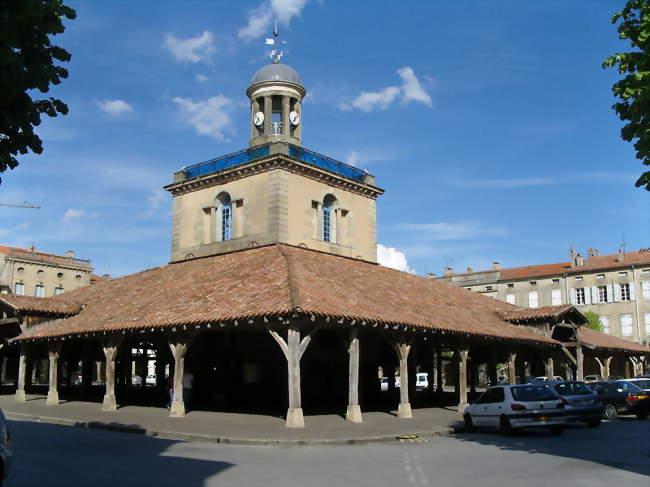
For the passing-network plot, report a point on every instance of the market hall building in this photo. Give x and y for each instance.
(273, 299)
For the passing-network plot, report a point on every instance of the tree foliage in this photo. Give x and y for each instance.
(633, 89)
(27, 63)
(593, 321)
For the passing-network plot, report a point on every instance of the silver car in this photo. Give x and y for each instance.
(5, 444)
(509, 408)
(582, 404)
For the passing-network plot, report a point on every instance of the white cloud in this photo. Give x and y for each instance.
(259, 19)
(156, 200)
(201, 78)
(393, 258)
(4, 232)
(114, 107)
(410, 90)
(454, 231)
(23, 226)
(208, 117)
(72, 214)
(193, 49)
(363, 159)
(353, 158)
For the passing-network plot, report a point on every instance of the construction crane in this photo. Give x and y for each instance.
(24, 204)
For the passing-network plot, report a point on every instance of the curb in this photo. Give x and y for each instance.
(175, 435)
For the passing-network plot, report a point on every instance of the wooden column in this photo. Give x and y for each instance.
(463, 353)
(492, 366)
(550, 369)
(22, 373)
(294, 348)
(439, 383)
(179, 344)
(512, 370)
(110, 348)
(402, 346)
(580, 364)
(353, 413)
(53, 352)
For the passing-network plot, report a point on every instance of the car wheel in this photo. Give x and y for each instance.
(505, 428)
(469, 424)
(594, 423)
(557, 430)
(642, 415)
(610, 412)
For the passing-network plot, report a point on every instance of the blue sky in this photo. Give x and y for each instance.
(488, 123)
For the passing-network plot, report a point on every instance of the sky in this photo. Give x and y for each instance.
(487, 123)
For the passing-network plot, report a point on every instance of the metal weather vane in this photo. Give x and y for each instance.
(276, 53)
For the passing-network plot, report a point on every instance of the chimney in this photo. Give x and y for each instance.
(469, 270)
(431, 275)
(579, 260)
(496, 266)
(572, 257)
(596, 252)
(448, 271)
(590, 253)
(621, 255)
(106, 276)
(70, 254)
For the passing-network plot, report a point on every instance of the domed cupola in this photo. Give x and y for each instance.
(276, 94)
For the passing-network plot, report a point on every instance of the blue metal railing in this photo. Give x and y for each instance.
(241, 157)
(225, 162)
(326, 163)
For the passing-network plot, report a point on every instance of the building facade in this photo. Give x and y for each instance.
(614, 286)
(30, 272)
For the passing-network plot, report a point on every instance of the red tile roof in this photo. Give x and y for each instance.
(275, 280)
(40, 306)
(602, 340)
(38, 256)
(536, 314)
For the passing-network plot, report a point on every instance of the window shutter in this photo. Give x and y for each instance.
(573, 296)
(587, 296)
(645, 286)
(610, 293)
(617, 293)
(594, 294)
(632, 292)
(218, 216)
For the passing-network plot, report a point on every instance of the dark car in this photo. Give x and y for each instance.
(5, 451)
(621, 398)
(582, 404)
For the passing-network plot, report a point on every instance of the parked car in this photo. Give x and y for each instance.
(421, 381)
(136, 380)
(593, 378)
(538, 380)
(5, 448)
(509, 408)
(582, 404)
(643, 376)
(621, 398)
(151, 380)
(383, 383)
(527, 379)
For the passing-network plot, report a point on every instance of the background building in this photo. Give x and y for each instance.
(615, 286)
(29, 272)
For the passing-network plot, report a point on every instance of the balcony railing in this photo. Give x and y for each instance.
(225, 162)
(327, 163)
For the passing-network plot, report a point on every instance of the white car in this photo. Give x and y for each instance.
(509, 408)
(421, 381)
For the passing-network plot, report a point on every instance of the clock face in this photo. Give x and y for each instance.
(294, 118)
(258, 119)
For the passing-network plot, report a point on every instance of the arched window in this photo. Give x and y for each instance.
(224, 217)
(329, 231)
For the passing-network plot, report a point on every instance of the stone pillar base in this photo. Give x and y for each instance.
(461, 407)
(20, 395)
(178, 409)
(353, 415)
(52, 398)
(404, 410)
(295, 418)
(109, 403)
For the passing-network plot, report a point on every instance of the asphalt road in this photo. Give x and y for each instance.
(616, 454)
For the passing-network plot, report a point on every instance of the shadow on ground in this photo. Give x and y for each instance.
(622, 444)
(53, 455)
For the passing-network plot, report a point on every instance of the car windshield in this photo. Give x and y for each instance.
(572, 389)
(626, 386)
(643, 384)
(532, 393)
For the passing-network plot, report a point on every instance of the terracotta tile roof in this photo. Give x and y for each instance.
(40, 306)
(278, 279)
(537, 314)
(595, 263)
(38, 256)
(602, 340)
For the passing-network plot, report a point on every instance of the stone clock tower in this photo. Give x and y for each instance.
(275, 191)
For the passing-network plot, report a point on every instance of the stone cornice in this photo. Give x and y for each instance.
(268, 163)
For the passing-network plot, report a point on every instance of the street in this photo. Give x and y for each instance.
(617, 453)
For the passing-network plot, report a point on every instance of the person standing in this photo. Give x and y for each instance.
(188, 378)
